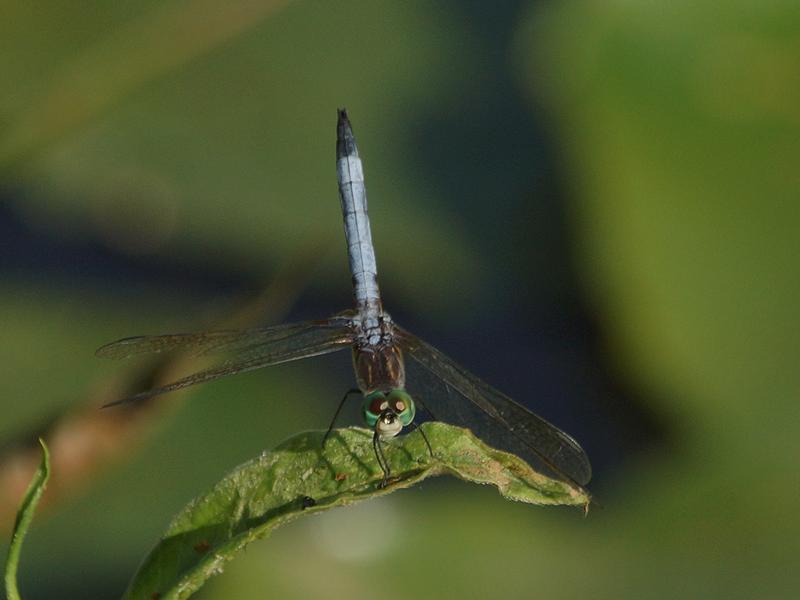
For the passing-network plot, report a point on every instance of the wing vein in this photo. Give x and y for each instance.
(556, 449)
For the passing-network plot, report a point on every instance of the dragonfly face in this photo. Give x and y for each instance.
(388, 413)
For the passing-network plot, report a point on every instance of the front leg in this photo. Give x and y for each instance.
(376, 446)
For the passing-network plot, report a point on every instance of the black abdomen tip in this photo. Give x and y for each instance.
(345, 140)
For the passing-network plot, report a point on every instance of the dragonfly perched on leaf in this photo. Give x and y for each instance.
(380, 347)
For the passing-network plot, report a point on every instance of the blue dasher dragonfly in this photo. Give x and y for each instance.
(445, 390)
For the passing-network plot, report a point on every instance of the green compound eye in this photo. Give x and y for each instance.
(398, 401)
(374, 404)
(403, 406)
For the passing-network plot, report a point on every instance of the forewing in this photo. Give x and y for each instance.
(454, 394)
(208, 341)
(273, 345)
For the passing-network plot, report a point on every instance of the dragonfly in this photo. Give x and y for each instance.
(394, 369)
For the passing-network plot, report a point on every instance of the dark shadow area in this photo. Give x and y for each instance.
(496, 166)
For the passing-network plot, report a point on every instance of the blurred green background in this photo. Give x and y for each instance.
(592, 205)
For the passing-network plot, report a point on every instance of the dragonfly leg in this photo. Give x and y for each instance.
(415, 427)
(336, 414)
(376, 445)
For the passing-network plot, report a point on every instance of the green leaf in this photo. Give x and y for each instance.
(24, 518)
(299, 477)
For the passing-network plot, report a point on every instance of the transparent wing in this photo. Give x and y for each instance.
(207, 341)
(250, 349)
(453, 394)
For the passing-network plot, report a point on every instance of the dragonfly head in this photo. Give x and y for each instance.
(388, 413)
